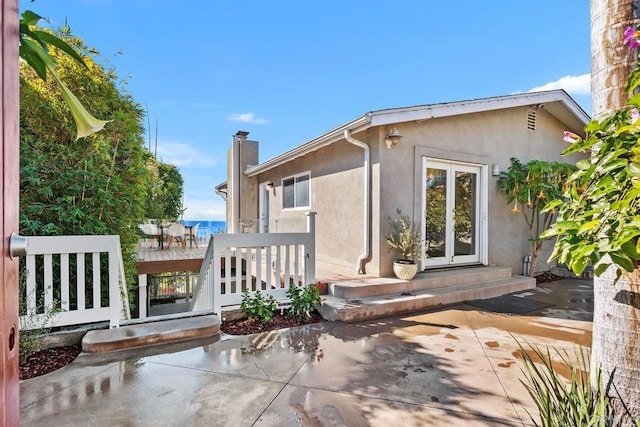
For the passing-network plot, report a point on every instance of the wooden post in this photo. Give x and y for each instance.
(9, 168)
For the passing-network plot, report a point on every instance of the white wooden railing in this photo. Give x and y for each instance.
(268, 262)
(52, 262)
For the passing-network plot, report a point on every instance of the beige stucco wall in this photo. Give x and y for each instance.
(484, 138)
(335, 194)
(336, 186)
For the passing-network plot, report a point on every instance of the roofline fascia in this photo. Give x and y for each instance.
(328, 138)
(432, 111)
(424, 112)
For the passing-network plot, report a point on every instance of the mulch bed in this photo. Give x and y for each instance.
(48, 360)
(546, 277)
(247, 327)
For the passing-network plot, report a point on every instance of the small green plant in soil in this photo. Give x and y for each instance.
(303, 300)
(255, 305)
(33, 326)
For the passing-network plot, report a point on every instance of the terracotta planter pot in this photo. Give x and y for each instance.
(323, 288)
(405, 269)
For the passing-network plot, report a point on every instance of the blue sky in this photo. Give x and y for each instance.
(287, 71)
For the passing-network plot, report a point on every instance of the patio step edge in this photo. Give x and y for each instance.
(352, 310)
(371, 287)
(149, 334)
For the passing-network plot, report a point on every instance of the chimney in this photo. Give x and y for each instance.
(240, 189)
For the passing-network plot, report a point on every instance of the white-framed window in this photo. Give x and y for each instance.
(295, 191)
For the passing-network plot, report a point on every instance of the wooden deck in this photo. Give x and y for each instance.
(151, 259)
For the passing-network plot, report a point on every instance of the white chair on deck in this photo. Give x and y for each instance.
(192, 235)
(150, 231)
(176, 232)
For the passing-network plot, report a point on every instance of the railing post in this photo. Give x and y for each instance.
(114, 289)
(310, 256)
(143, 298)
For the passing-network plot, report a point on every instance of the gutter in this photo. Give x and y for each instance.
(328, 138)
(573, 117)
(221, 190)
(365, 255)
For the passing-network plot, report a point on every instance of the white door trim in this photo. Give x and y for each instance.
(481, 241)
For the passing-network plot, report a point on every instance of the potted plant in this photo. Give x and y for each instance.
(405, 238)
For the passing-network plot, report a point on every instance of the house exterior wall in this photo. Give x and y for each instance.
(335, 190)
(337, 183)
(492, 137)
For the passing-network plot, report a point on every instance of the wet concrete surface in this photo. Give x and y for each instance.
(458, 365)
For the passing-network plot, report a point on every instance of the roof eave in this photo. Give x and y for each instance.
(556, 102)
(574, 117)
(357, 125)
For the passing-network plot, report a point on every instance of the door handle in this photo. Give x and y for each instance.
(17, 245)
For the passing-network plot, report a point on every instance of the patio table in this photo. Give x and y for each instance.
(189, 229)
(162, 227)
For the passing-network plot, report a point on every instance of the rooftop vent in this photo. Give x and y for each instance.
(531, 120)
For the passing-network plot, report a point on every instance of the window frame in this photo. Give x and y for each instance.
(295, 184)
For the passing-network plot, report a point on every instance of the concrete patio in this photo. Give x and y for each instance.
(457, 365)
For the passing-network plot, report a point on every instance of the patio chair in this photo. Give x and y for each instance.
(150, 231)
(192, 235)
(176, 232)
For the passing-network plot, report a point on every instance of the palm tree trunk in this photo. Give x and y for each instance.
(616, 317)
(610, 60)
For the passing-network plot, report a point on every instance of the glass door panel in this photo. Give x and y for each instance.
(451, 213)
(435, 213)
(465, 214)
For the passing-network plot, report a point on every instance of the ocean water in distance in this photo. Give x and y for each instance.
(207, 228)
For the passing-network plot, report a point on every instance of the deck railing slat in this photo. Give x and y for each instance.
(43, 253)
(260, 257)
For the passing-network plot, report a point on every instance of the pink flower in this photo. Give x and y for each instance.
(631, 37)
(570, 137)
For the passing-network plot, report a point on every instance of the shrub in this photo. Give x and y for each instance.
(255, 305)
(303, 300)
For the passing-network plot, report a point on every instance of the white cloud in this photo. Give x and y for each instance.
(213, 208)
(247, 118)
(182, 154)
(575, 85)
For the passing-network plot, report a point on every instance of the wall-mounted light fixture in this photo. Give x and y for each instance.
(268, 186)
(393, 137)
(495, 170)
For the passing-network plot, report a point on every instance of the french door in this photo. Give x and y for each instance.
(453, 213)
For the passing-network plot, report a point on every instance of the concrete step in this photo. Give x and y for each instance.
(371, 287)
(355, 309)
(151, 333)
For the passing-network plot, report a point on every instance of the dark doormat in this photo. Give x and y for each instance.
(508, 304)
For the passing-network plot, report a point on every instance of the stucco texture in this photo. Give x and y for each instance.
(337, 182)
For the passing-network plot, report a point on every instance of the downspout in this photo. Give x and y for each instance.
(367, 200)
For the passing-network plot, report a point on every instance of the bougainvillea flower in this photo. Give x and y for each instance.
(635, 115)
(631, 37)
(570, 137)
